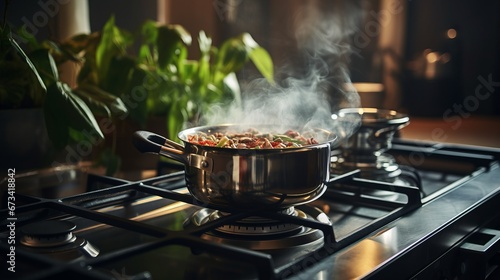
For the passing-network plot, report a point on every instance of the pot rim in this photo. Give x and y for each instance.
(382, 116)
(331, 138)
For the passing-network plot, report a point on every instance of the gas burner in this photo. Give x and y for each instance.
(260, 233)
(258, 226)
(381, 168)
(56, 238)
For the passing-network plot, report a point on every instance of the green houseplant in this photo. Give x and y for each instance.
(31, 81)
(158, 79)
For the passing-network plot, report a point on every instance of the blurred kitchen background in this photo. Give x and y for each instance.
(438, 61)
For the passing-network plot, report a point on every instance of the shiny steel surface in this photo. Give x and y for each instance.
(376, 130)
(404, 247)
(279, 179)
(247, 178)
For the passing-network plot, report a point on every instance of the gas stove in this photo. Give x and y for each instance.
(443, 222)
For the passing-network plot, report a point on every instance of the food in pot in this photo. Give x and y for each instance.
(252, 139)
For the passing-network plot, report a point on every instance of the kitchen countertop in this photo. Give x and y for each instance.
(474, 130)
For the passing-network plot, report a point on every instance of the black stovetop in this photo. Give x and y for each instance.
(139, 227)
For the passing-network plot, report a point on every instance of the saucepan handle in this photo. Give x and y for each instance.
(389, 129)
(148, 142)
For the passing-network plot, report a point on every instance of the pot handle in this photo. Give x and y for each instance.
(148, 142)
(388, 129)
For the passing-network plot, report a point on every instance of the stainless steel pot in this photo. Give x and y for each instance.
(246, 178)
(375, 132)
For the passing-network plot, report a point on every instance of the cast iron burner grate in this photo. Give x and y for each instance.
(87, 206)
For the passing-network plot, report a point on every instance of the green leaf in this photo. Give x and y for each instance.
(232, 86)
(21, 84)
(106, 48)
(145, 55)
(64, 110)
(170, 41)
(45, 65)
(189, 69)
(26, 59)
(259, 56)
(236, 51)
(262, 60)
(149, 31)
(137, 92)
(182, 33)
(120, 69)
(161, 91)
(231, 56)
(101, 100)
(148, 52)
(204, 75)
(113, 42)
(181, 59)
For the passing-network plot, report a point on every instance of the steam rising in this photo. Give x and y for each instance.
(309, 100)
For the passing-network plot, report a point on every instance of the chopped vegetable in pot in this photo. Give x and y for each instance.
(252, 139)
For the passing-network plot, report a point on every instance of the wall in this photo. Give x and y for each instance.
(477, 45)
(476, 54)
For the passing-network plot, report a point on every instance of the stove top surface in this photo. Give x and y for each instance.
(152, 228)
